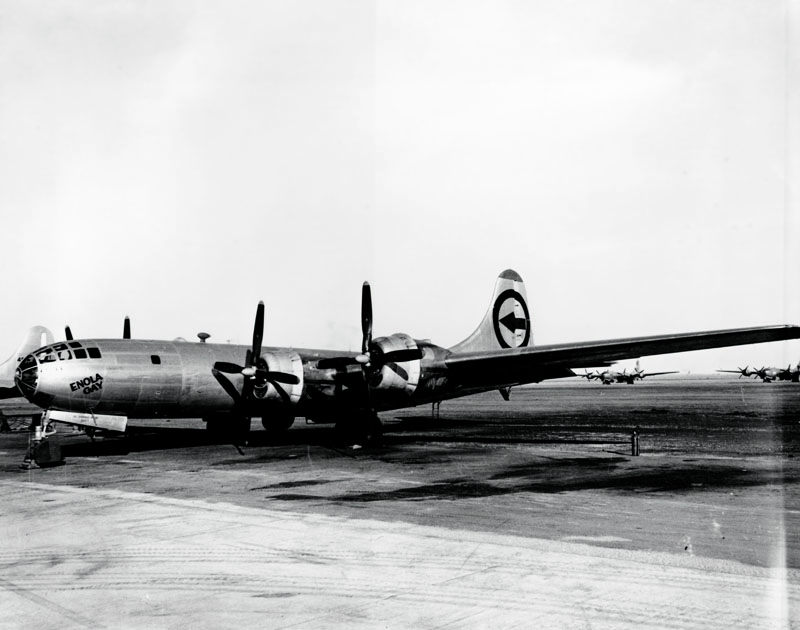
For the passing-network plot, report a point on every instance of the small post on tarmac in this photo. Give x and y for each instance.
(635, 442)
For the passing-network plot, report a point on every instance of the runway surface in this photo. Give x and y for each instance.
(528, 513)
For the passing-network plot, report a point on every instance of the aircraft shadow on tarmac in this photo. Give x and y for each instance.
(470, 439)
(405, 431)
(569, 474)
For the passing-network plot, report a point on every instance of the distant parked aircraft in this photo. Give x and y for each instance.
(745, 371)
(769, 374)
(612, 376)
(779, 374)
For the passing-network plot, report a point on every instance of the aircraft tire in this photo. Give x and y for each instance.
(366, 429)
(215, 426)
(277, 425)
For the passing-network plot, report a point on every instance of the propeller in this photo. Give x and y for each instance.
(372, 358)
(255, 372)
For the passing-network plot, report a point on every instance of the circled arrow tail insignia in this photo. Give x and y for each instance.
(511, 319)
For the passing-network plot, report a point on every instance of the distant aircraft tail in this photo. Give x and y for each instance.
(37, 337)
(507, 323)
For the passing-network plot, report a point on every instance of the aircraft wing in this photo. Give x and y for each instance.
(658, 373)
(9, 392)
(536, 363)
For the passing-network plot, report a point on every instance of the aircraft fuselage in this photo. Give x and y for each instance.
(172, 379)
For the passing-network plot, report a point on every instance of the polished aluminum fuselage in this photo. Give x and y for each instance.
(145, 379)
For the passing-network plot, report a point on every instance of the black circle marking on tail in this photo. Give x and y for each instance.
(509, 321)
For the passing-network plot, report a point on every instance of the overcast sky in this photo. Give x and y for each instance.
(635, 161)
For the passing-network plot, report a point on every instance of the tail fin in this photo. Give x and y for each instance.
(507, 323)
(37, 337)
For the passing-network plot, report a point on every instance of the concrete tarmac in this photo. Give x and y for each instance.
(531, 513)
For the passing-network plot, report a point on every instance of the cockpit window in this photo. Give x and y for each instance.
(47, 355)
(62, 352)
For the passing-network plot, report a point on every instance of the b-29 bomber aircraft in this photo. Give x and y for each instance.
(101, 383)
(769, 374)
(607, 377)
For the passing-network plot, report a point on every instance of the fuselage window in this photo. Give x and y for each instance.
(80, 353)
(155, 359)
(94, 353)
(74, 344)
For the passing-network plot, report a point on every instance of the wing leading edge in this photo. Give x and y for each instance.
(515, 366)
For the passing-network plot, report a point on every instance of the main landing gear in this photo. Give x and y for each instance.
(361, 429)
(237, 428)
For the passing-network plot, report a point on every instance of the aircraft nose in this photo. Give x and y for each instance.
(27, 376)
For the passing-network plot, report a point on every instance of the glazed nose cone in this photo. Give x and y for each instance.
(27, 376)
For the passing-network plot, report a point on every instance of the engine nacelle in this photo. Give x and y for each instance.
(287, 363)
(402, 376)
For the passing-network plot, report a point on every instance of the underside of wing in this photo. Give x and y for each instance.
(9, 392)
(516, 366)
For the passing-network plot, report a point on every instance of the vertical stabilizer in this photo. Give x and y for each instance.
(507, 323)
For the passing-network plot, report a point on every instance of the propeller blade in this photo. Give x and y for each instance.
(227, 386)
(401, 356)
(248, 372)
(68, 333)
(280, 377)
(228, 368)
(247, 389)
(258, 332)
(335, 362)
(126, 328)
(281, 392)
(397, 370)
(366, 317)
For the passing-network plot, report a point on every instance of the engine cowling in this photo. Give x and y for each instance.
(288, 363)
(400, 376)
